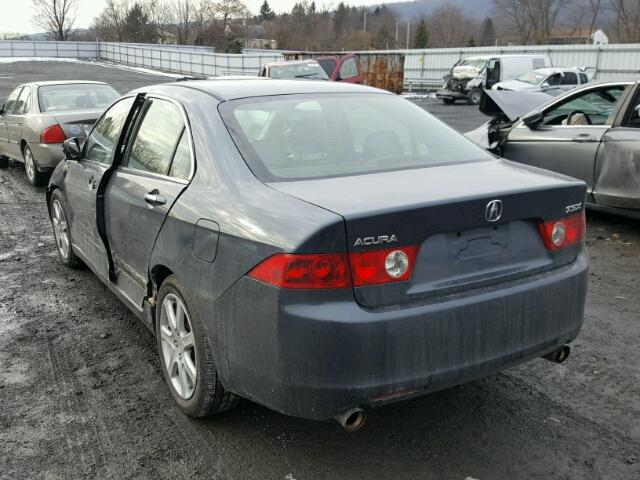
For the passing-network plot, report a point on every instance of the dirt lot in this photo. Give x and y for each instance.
(82, 395)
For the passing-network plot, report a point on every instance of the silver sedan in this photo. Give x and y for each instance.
(38, 117)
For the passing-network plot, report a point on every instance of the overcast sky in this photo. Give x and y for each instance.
(15, 15)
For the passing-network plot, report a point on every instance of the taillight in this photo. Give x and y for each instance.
(53, 134)
(337, 270)
(304, 271)
(375, 267)
(562, 233)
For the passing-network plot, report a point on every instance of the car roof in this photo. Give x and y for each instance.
(63, 82)
(548, 70)
(512, 55)
(233, 89)
(292, 62)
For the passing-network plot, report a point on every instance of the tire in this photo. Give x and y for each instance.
(36, 178)
(448, 101)
(61, 232)
(474, 96)
(4, 162)
(187, 343)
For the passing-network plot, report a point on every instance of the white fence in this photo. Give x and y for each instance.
(422, 68)
(187, 62)
(604, 62)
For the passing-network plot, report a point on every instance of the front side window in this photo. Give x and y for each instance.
(633, 117)
(101, 142)
(156, 137)
(569, 78)
(332, 135)
(349, 68)
(328, 65)
(594, 107)
(583, 78)
(554, 79)
(75, 96)
(11, 100)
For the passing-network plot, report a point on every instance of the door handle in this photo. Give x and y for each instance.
(92, 183)
(154, 198)
(584, 137)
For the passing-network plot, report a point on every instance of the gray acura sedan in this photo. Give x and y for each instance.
(37, 117)
(319, 248)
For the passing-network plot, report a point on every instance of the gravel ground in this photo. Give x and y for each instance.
(82, 394)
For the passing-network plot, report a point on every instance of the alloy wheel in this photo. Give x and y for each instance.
(60, 228)
(178, 346)
(29, 165)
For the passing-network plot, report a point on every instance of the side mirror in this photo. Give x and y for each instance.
(71, 149)
(533, 119)
(545, 85)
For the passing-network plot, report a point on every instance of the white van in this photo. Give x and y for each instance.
(469, 76)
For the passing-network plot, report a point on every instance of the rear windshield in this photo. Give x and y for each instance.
(311, 71)
(76, 96)
(292, 137)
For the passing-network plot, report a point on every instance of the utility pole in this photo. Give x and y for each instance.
(364, 27)
(408, 29)
(396, 33)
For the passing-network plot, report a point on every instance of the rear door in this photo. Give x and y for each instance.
(617, 171)
(15, 121)
(568, 138)
(156, 168)
(83, 179)
(5, 119)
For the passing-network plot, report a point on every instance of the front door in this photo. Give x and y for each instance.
(617, 172)
(568, 138)
(140, 193)
(83, 178)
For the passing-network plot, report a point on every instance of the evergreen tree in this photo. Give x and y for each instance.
(471, 42)
(266, 14)
(421, 39)
(487, 32)
(137, 26)
(232, 43)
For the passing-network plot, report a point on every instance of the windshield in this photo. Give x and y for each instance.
(333, 135)
(312, 71)
(75, 96)
(533, 78)
(477, 63)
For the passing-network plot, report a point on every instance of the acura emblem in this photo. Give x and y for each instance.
(493, 211)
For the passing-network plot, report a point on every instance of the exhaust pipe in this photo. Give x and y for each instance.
(559, 355)
(352, 420)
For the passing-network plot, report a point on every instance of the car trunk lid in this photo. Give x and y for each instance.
(443, 210)
(77, 123)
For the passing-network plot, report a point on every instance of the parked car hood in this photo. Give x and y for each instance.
(517, 86)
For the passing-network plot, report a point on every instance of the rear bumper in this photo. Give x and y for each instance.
(302, 354)
(47, 156)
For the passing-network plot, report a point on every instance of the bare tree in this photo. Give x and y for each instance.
(532, 20)
(183, 12)
(627, 19)
(449, 27)
(229, 10)
(55, 16)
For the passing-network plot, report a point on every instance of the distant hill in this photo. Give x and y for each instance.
(477, 9)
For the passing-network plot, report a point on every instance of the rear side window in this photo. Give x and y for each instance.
(104, 136)
(156, 138)
(181, 164)
(19, 106)
(332, 135)
(11, 100)
(583, 78)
